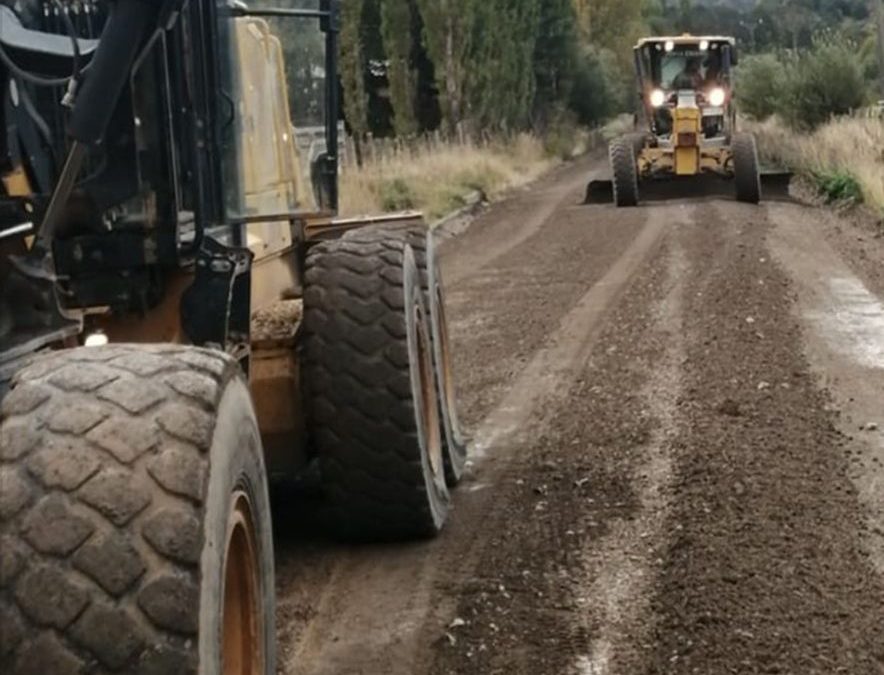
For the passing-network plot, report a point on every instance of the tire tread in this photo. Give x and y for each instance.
(116, 563)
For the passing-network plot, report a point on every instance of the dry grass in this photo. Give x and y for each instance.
(852, 147)
(436, 177)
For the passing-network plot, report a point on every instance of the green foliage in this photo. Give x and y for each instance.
(497, 65)
(806, 88)
(557, 60)
(839, 187)
(562, 137)
(396, 23)
(447, 35)
(823, 82)
(352, 69)
(594, 97)
(760, 84)
(500, 86)
(397, 195)
(510, 65)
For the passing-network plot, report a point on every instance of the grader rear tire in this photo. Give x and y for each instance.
(422, 242)
(134, 518)
(625, 168)
(747, 174)
(369, 382)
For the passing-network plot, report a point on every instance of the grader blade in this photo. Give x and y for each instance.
(599, 192)
(775, 184)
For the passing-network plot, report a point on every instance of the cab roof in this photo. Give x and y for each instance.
(685, 39)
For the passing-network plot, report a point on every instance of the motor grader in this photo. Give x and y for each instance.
(686, 125)
(184, 320)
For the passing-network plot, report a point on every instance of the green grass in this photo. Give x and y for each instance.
(839, 187)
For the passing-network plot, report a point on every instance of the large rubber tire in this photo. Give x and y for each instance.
(625, 169)
(747, 174)
(133, 478)
(369, 384)
(421, 240)
(637, 139)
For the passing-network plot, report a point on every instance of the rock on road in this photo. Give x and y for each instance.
(678, 457)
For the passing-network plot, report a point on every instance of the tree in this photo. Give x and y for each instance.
(501, 85)
(396, 27)
(556, 56)
(448, 28)
(352, 73)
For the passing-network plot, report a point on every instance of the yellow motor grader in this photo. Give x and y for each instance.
(184, 319)
(686, 125)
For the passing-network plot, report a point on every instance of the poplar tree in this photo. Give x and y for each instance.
(396, 26)
(448, 28)
(352, 73)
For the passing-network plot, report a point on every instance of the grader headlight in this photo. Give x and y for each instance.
(657, 98)
(717, 97)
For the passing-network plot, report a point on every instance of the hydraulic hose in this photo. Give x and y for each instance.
(120, 43)
(129, 22)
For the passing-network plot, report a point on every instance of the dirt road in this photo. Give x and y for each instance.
(678, 465)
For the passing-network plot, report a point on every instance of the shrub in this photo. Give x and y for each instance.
(760, 84)
(839, 186)
(397, 195)
(563, 136)
(823, 82)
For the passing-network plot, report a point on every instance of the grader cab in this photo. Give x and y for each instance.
(184, 319)
(686, 125)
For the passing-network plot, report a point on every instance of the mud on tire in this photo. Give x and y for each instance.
(625, 169)
(421, 240)
(747, 175)
(369, 384)
(118, 467)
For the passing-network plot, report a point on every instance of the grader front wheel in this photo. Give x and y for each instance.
(368, 370)
(747, 174)
(422, 243)
(622, 153)
(134, 519)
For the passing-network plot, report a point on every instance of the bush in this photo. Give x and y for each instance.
(824, 82)
(839, 187)
(562, 138)
(760, 85)
(397, 195)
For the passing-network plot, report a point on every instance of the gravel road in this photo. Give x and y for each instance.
(678, 455)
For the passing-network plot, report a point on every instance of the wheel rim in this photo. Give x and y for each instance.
(243, 644)
(446, 369)
(428, 402)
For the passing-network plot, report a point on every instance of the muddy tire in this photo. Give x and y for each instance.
(368, 372)
(747, 174)
(134, 518)
(421, 240)
(625, 169)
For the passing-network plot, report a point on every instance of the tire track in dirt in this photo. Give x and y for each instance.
(845, 345)
(382, 609)
(621, 568)
(526, 211)
(766, 571)
(540, 382)
(580, 477)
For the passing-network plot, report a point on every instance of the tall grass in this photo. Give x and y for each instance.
(436, 176)
(846, 152)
